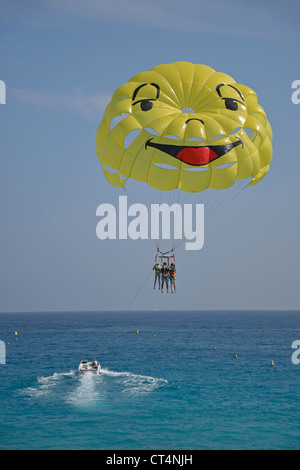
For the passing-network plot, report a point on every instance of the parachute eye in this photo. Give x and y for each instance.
(231, 104)
(146, 104)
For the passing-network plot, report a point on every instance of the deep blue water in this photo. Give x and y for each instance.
(154, 392)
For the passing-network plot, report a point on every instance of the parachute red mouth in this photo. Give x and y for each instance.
(195, 156)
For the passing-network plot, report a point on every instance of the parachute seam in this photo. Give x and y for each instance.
(167, 80)
(181, 84)
(204, 83)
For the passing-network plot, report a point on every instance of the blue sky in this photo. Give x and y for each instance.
(61, 62)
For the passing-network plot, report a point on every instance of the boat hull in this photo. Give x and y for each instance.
(85, 367)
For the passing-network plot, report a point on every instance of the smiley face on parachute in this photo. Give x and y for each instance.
(184, 126)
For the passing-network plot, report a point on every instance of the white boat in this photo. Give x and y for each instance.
(86, 366)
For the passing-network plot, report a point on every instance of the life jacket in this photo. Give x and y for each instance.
(172, 271)
(157, 268)
(165, 271)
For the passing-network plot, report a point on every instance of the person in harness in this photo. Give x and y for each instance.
(165, 276)
(157, 269)
(173, 278)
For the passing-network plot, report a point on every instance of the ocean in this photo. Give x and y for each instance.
(185, 380)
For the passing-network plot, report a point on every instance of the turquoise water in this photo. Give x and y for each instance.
(154, 392)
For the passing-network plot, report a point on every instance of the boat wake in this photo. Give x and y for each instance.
(45, 385)
(88, 388)
(134, 383)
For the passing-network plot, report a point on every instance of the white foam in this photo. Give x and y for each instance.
(45, 384)
(135, 383)
(52, 379)
(87, 392)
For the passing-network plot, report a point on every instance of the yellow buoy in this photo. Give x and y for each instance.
(154, 336)
(272, 363)
(235, 355)
(16, 332)
(215, 348)
(174, 339)
(137, 332)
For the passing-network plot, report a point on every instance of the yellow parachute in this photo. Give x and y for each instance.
(191, 128)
